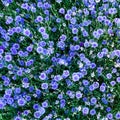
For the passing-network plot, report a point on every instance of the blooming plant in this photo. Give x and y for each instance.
(59, 59)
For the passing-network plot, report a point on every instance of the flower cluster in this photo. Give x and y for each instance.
(59, 60)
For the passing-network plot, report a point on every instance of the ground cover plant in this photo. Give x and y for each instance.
(59, 59)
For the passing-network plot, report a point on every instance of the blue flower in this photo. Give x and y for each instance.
(36, 106)
(21, 102)
(45, 104)
(85, 110)
(78, 95)
(8, 58)
(93, 100)
(39, 113)
(62, 10)
(110, 116)
(43, 76)
(2, 104)
(9, 20)
(26, 32)
(75, 77)
(74, 30)
(17, 118)
(39, 18)
(92, 112)
(44, 85)
(67, 16)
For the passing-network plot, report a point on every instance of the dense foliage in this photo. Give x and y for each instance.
(60, 60)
